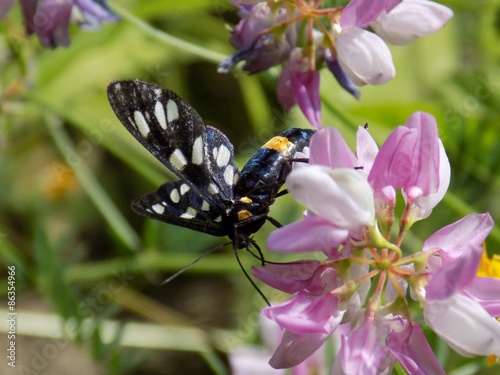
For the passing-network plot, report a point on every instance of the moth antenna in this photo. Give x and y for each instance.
(203, 255)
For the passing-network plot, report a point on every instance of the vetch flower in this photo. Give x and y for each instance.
(50, 19)
(359, 290)
(304, 35)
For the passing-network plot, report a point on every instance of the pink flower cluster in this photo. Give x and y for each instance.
(305, 35)
(360, 293)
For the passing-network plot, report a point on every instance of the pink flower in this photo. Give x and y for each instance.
(413, 159)
(303, 35)
(359, 292)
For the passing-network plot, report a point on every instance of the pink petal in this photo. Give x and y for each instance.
(426, 156)
(305, 316)
(412, 351)
(360, 352)
(471, 230)
(310, 234)
(284, 88)
(423, 205)
(361, 13)
(454, 276)
(410, 20)
(393, 165)
(364, 57)
(301, 276)
(296, 348)
(329, 148)
(366, 150)
(305, 86)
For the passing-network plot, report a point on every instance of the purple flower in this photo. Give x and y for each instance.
(359, 292)
(50, 19)
(303, 35)
(299, 84)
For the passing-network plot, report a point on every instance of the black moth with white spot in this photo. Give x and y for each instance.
(211, 196)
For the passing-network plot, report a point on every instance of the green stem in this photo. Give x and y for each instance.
(91, 186)
(204, 53)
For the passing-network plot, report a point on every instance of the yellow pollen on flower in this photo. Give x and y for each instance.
(489, 267)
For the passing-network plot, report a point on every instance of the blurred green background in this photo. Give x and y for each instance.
(69, 170)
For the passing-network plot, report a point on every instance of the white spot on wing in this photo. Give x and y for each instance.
(236, 178)
(141, 124)
(223, 156)
(218, 219)
(158, 208)
(160, 115)
(212, 189)
(197, 157)
(229, 175)
(172, 111)
(205, 206)
(184, 189)
(189, 214)
(178, 160)
(214, 153)
(174, 196)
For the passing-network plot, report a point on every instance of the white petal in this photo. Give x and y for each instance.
(339, 195)
(364, 57)
(410, 20)
(464, 325)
